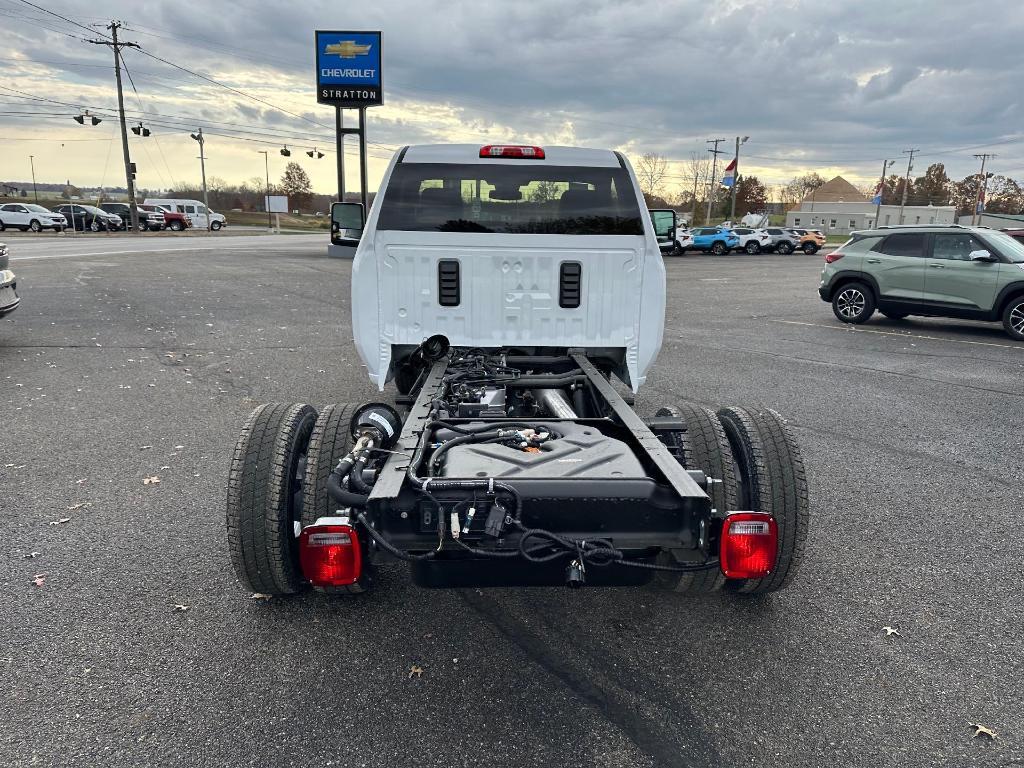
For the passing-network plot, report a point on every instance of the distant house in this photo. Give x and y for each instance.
(839, 208)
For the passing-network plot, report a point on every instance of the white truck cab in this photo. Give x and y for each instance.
(520, 247)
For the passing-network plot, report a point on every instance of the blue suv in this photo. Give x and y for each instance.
(718, 240)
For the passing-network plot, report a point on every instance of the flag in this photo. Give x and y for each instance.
(730, 174)
(877, 199)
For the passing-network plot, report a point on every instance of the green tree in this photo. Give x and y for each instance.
(296, 184)
(933, 187)
(751, 196)
(1004, 196)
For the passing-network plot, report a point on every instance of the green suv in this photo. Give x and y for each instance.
(973, 273)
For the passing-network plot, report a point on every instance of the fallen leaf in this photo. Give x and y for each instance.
(79, 505)
(154, 480)
(415, 671)
(179, 608)
(981, 730)
(260, 596)
(83, 480)
(61, 521)
(178, 447)
(30, 555)
(40, 579)
(145, 447)
(890, 631)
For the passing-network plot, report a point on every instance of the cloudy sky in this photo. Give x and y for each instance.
(835, 87)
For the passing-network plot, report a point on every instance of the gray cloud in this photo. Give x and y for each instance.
(812, 83)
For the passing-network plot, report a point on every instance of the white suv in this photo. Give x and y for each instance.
(752, 240)
(26, 216)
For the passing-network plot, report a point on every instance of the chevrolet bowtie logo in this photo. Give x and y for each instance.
(347, 49)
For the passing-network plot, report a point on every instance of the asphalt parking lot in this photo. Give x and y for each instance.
(123, 366)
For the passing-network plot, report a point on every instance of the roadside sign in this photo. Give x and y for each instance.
(276, 203)
(348, 69)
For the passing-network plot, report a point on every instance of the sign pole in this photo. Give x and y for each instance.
(362, 156)
(339, 122)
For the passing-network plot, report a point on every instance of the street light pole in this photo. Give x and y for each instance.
(881, 188)
(714, 171)
(198, 136)
(906, 181)
(736, 178)
(35, 192)
(266, 199)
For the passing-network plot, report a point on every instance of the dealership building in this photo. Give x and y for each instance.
(838, 208)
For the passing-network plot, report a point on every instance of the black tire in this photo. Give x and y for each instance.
(215, 226)
(853, 303)
(704, 446)
(142, 226)
(265, 497)
(810, 249)
(2, 226)
(1013, 318)
(718, 248)
(752, 248)
(35, 226)
(894, 315)
(95, 225)
(771, 478)
(330, 441)
(176, 226)
(785, 248)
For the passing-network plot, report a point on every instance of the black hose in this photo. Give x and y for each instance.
(356, 475)
(343, 495)
(387, 546)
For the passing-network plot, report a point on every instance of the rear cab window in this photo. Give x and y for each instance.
(510, 199)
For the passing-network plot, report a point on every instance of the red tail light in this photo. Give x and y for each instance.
(329, 555)
(512, 150)
(749, 541)
(834, 256)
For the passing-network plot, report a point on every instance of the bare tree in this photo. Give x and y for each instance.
(695, 176)
(651, 170)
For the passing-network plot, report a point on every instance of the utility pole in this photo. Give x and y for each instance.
(881, 188)
(266, 204)
(198, 136)
(129, 175)
(736, 178)
(906, 181)
(714, 172)
(35, 192)
(982, 188)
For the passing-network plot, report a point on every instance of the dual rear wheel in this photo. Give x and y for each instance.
(757, 463)
(277, 485)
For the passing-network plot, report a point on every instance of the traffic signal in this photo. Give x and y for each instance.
(285, 151)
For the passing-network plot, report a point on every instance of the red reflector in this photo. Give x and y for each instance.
(749, 541)
(512, 150)
(834, 256)
(330, 555)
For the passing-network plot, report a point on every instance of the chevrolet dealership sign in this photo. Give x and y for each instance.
(348, 69)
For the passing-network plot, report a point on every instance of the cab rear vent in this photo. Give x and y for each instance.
(448, 289)
(569, 279)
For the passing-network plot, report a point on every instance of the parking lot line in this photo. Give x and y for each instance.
(228, 247)
(851, 329)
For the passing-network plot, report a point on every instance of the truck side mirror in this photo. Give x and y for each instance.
(346, 223)
(664, 222)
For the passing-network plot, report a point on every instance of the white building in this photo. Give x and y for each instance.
(839, 208)
(997, 220)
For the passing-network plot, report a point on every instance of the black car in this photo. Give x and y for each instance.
(8, 285)
(89, 217)
(147, 219)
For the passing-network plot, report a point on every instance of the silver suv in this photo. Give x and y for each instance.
(781, 240)
(973, 273)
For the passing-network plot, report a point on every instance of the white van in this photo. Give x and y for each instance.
(194, 209)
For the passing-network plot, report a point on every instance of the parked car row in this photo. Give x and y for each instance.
(176, 215)
(675, 240)
(8, 285)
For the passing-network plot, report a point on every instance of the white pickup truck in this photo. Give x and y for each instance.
(497, 291)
